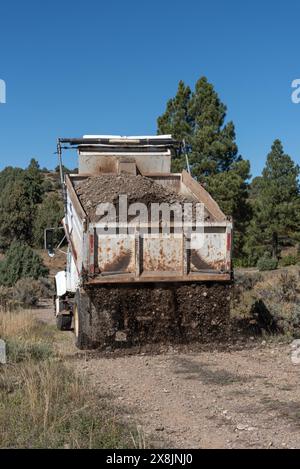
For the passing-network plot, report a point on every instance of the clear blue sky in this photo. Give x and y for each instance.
(77, 67)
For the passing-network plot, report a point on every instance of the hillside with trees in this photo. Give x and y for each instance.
(30, 201)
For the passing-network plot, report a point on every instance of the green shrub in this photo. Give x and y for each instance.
(267, 263)
(21, 350)
(5, 297)
(45, 288)
(48, 185)
(25, 292)
(290, 259)
(240, 262)
(20, 261)
(247, 280)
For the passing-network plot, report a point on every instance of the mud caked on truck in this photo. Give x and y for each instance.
(149, 251)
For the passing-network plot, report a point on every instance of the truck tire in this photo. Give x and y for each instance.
(82, 311)
(64, 322)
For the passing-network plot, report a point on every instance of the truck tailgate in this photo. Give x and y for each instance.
(144, 257)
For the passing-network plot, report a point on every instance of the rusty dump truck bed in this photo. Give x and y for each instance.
(137, 257)
(149, 251)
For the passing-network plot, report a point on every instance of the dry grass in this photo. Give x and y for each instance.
(269, 298)
(26, 338)
(14, 324)
(138, 438)
(43, 403)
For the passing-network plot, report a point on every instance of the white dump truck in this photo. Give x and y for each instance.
(130, 282)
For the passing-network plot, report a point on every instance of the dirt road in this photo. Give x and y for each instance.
(243, 397)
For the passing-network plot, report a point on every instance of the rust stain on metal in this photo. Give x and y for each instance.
(201, 264)
(91, 242)
(160, 263)
(106, 165)
(119, 263)
(151, 277)
(162, 255)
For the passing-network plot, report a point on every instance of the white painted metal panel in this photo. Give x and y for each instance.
(76, 233)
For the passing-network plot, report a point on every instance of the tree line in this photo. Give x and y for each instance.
(266, 210)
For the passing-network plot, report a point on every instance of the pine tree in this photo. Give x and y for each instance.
(230, 189)
(199, 118)
(213, 144)
(21, 261)
(33, 180)
(176, 121)
(276, 204)
(9, 175)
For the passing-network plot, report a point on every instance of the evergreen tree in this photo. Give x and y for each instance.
(21, 192)
(199, 118)
(230, 189)
(276, 204)
(213, 144)
(66, 170)
(176, 121)
(16, 214)
(19, 262)
(9, 175)
(49, 214)
(33, 180)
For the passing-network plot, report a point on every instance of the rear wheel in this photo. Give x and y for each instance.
(82, 312)
(64, 322)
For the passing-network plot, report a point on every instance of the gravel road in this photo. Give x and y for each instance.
(245, 396)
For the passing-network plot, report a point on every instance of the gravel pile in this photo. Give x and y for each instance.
(107, 188)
